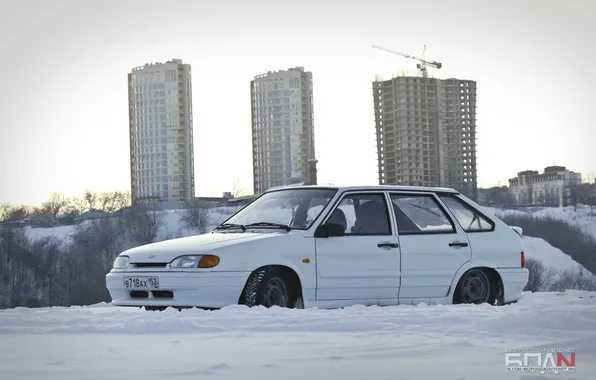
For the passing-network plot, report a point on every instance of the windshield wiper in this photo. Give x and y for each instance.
(226, 226)
(267, 224)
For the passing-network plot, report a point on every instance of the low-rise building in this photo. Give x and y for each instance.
(495, 196)
(552, 188)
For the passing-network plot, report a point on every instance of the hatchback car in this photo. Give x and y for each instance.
(328, 247)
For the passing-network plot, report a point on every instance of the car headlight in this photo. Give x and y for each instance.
(195, 261)
(121, 262)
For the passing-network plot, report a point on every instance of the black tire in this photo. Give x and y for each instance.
(271, 286)
(476, 286)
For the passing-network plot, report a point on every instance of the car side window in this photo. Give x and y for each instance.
(315, 207)
(469, 219)
(420, 214)
(362, 214)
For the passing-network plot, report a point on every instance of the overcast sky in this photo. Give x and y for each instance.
(64, 119)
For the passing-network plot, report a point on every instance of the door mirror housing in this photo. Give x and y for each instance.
(330, 230)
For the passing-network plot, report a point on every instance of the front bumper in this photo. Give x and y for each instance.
(514, 282)
(179, 289)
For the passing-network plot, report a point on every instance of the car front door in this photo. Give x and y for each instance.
(433, 247)
(364, 263)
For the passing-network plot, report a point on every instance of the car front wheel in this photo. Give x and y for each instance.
(270, 287)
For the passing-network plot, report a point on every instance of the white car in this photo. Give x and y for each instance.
(328, 247)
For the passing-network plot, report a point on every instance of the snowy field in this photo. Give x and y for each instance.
(401, 342)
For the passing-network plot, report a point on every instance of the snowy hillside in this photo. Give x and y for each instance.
(402, 342)
(551, 257)
(173, 225)
(581, 216)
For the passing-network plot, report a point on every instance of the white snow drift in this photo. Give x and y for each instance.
(398, 342)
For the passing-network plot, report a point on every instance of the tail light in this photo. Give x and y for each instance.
(523, 260)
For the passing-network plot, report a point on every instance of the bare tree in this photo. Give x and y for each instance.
(238, 191)
(4, 211)
(592, 202)
(540, 277)
(55, 205)
(535, 280)
(18, 212)
(143, 222)
(91, 199)
(577, 279)
(106, 201)
(499, 195)
(579, 194)
(196, 216)
(121, 199)
(78, 205)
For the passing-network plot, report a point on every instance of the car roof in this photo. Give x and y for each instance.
(369, 187)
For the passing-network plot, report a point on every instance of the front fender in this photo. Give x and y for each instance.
(290, 250)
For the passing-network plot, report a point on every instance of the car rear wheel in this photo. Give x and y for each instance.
(474, 288)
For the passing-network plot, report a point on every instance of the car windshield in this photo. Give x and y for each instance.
(294, 208)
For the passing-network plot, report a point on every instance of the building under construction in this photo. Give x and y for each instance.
(426, 131)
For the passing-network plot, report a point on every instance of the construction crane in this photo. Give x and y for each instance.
(423, 62)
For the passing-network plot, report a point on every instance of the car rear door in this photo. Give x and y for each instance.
(363, 264)
(433, 247)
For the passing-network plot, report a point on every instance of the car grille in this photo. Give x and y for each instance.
(149, 265)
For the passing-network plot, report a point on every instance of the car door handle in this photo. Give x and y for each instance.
(458, 244)
(389, 245)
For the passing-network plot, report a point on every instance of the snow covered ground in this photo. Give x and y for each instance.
(401, 342)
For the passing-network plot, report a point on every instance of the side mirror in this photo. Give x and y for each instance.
(330, 230)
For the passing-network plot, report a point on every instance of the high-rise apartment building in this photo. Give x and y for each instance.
(161, 132)
(282, 129)
(426, 132)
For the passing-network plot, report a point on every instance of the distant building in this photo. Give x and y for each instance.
(161, 132)
(282, 129)
(495, 196)
(426, 132)
(553, 187)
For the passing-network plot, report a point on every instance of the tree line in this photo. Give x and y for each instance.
(548, 279)
(58, 203)
(71, 270)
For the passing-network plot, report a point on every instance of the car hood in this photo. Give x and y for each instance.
(168, 250)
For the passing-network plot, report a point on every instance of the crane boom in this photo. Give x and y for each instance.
(423, 62)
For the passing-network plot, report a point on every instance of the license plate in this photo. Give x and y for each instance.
(141, 282)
